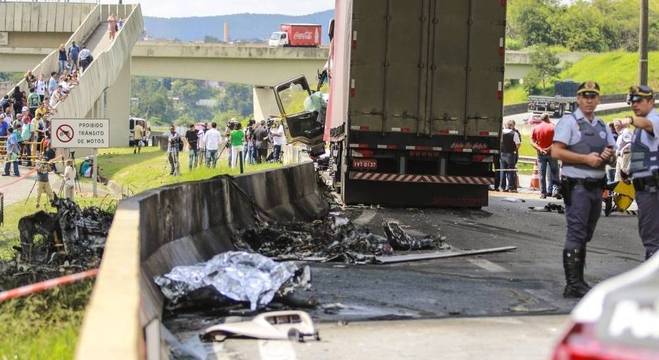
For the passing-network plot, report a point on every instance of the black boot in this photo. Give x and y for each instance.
(573, 264)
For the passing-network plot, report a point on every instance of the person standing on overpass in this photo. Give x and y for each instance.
(644, 166)
(584, 143)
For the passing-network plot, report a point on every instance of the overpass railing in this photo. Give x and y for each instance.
(50, 63)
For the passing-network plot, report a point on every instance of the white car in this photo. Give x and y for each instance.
(618, 319)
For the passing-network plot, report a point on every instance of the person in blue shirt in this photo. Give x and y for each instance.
(13, 150)
(74, 51)
(4, 126)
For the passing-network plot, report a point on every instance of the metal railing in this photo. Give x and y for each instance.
(55, 1)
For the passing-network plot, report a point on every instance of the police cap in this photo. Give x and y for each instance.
(638, 93)
(588, 88)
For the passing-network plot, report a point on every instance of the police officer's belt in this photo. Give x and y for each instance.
(648, 183)
(588, 183)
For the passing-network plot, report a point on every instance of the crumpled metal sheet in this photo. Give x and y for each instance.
(401, 240)
(237, 275)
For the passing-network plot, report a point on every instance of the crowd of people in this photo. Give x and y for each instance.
(256, 143)
(25, 114)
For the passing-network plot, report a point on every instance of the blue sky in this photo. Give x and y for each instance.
(184, 8)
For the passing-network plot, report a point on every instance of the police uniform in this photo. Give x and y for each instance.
(644, 170)
(582, 188)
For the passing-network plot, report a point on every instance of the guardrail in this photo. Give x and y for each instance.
(179, 224)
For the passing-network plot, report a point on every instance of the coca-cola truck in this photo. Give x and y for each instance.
(415, 101)
(297, 35)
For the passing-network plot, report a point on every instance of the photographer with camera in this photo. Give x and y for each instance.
(261, 142)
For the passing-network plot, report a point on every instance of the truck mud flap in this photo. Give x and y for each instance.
(415, 193)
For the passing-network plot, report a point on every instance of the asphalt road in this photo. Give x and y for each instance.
(443, 301)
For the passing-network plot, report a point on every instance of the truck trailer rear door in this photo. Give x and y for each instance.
(486, 66)
(448, 70)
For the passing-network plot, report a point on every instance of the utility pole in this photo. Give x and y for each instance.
(643, 44)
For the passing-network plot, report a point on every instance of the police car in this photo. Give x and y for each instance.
(618, 319)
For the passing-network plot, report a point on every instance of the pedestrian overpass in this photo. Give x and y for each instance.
(104, 88)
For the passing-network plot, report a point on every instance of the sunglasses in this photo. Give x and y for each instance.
(633, 99)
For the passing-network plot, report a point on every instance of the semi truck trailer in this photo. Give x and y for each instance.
(415, 101)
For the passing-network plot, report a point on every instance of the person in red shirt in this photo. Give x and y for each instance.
(542, 139)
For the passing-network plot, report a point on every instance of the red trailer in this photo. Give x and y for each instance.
(297, 35)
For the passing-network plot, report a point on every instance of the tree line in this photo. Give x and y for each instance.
(176, 101)
(596, 25)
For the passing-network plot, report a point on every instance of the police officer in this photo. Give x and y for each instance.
(644, 167)
(585, 145)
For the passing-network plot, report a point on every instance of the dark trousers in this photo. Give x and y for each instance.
(8, 165)
(276, 155)
(648, 219)
(262, 155)
(545, 162)
(582, 215)
(508, 178)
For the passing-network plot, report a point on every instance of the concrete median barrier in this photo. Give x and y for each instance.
(180, 224)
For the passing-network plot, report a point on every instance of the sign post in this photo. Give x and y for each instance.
(82, 134)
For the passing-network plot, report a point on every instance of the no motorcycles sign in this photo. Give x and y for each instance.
(80, 133)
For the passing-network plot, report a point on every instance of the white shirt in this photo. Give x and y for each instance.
(84, 54)
(69, 176)
(624, 141)
(41, 87)
(278, 140)
(212, 139)
(55, 98)
(567, 132)
(201, 140)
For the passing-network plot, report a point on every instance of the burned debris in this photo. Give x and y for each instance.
(333, 239)
(51, 244)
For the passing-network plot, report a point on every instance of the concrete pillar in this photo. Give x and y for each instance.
(264, 103)
(117, 108)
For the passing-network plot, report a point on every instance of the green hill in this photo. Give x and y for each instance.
(614, 71)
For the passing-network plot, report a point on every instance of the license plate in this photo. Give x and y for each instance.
(367, 164)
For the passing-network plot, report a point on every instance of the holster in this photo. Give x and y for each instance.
(648, 184)
(568, 184)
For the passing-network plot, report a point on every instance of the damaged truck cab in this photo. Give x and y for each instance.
(415, 101)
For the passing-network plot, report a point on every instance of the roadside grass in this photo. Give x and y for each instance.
(514, 95)
(45, 325)
(615, 71)
(150, 168)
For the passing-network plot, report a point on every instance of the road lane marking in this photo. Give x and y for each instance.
(365, 217)
(488, 265)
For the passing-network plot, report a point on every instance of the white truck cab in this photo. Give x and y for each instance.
(278, 38)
